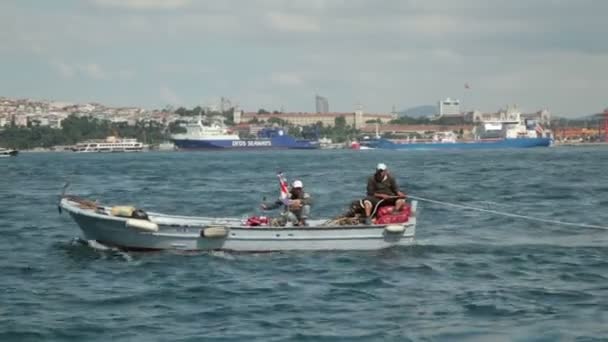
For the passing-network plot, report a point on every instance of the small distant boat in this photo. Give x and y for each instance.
(130, 229)
(4, 152)
(166, 146)
(355, 145)
(110, 144)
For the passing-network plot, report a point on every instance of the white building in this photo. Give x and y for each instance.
(54, 120)
(237, 116)
(60, 104)
(449, 107)
(116, 119)
(20, 120)
(512, 113)
(86, 108)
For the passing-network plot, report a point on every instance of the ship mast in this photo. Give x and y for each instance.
(606, 125)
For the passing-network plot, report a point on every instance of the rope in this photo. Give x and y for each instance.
(530, 218)
(376, 208)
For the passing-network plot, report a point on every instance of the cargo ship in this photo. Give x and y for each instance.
(199, 136)
(516, 133)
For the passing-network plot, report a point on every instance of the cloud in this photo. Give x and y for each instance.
(90, 70)
(144, 4)
(64, 70)
(125, 74)
(286, 79)
(293, 23)
(94, 71)
(183, 69)
(169, 96)
(271, 52)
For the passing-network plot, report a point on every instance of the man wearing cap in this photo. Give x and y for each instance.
(298, 208)
(382, 189)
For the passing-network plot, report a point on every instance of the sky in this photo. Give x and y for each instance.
(276, 55)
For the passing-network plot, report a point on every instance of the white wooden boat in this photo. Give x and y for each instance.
(8, 153)
(159, 231)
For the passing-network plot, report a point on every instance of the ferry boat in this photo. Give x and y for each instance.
(110, 144)
(512, 133)
(8, 153)
(201, 136)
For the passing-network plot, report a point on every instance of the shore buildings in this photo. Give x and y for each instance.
(355, 119)
(448, 107)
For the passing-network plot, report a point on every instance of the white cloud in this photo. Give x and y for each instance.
(293, 22)
(65, 70)
(93, 70)
(407, 52)
(144, 4)
(183, 69)
(286, 78)
(169, 96)
(125, 74)
(90, 70)
(460, 25)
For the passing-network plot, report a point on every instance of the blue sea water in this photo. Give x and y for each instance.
(471, 275)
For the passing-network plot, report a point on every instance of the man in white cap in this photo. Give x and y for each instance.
(297, 208)
(382, 189)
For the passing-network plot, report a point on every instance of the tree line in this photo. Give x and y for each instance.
(77, 129)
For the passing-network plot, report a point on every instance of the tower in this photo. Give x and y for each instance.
(359, 123)
(237, 114)
(321, 104)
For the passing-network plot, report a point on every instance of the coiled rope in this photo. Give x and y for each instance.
(525, 217)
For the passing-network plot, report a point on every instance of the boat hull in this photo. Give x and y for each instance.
(252, 144)
(188, 233)
(472, 145)
(9, 153)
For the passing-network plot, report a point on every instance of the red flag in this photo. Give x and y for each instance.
(283, 188)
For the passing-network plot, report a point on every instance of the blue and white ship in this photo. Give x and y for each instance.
(514, 133)
(199, 136)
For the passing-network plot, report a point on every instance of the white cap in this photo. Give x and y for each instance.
(381, 166)
(297, 184)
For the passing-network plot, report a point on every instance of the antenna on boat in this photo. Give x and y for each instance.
(63, 190)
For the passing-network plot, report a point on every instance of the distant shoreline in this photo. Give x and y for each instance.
(580, 144)
(555, 145)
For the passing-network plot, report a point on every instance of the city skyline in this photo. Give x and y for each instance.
(273, 54)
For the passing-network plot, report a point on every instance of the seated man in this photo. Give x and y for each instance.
(297, 208)
(382, 189)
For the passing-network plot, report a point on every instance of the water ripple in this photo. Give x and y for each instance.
(471, 276)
